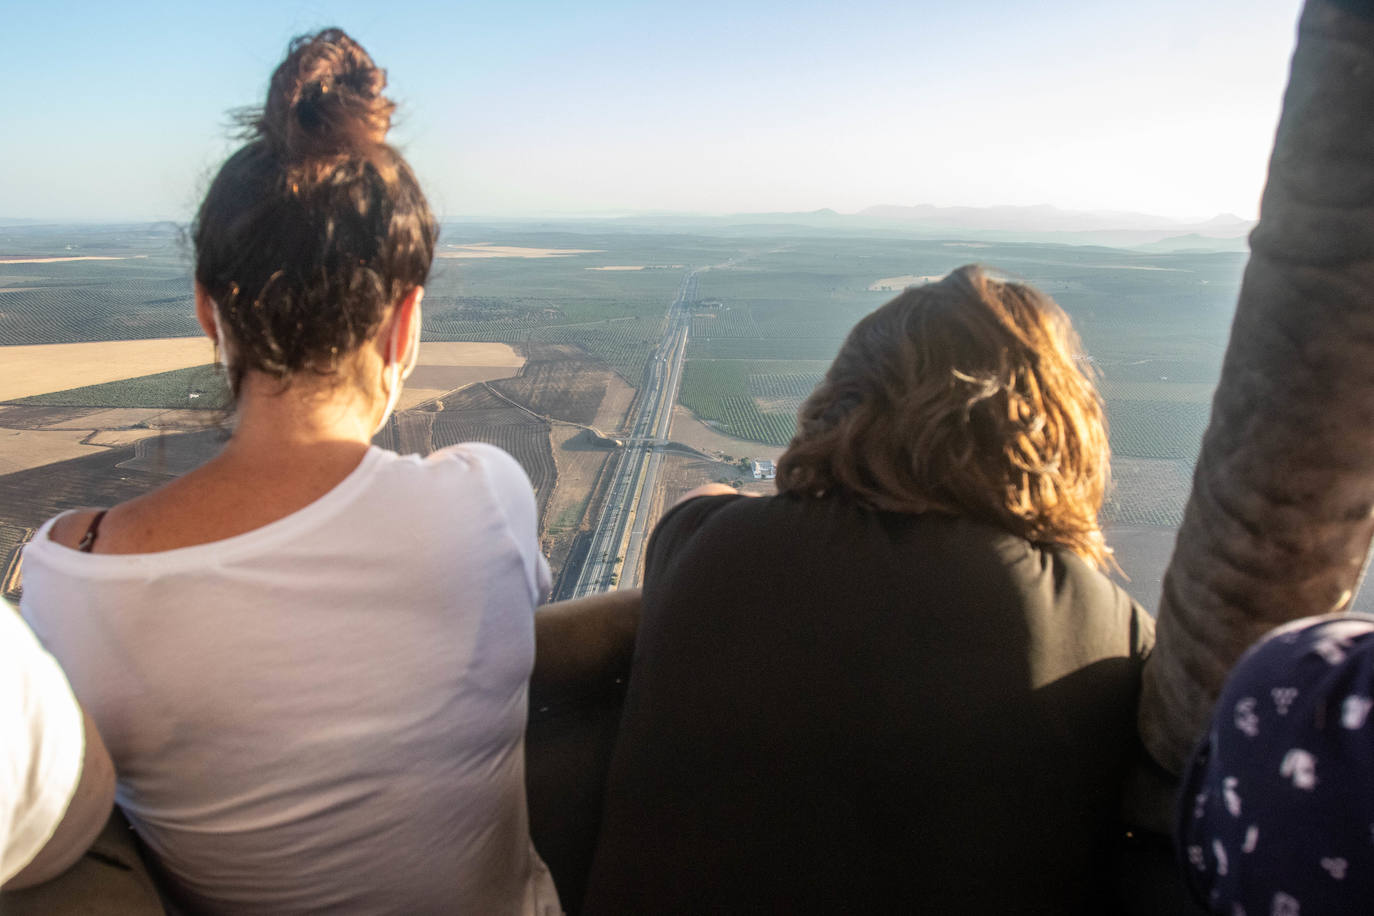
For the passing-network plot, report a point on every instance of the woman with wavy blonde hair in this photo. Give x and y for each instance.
(903, 683)
(966, 397)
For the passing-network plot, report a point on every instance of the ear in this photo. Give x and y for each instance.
(405, 324)
(205, 312)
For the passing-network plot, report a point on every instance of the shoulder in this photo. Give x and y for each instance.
(715, 524)
(1051, 586)
(456, 469)
(494, 485)
(691, 513)
(483, 456)
(495, 468)
(1082, 589)
(686, 518)
(42, 746)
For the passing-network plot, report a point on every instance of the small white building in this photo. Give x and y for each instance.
(764, 469)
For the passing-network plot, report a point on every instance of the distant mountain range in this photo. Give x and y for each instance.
(1039, 224)
(1042, 223)
(1046, 218)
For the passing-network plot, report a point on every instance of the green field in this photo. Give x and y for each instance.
(733, 395)
(194, 388)
(771, 312)
(143, 292)
(616, 316)
(1154, 324)
(1157, 429)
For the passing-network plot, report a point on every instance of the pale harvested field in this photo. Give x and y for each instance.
(442, 367)
(412, 397)
(467, 353)
(578, 466)
(110, 418)
(429, 382)
(115, 438)
(21, 449)
(484, 250)
(897, 284)
(83, 432)
(18, 289)
(445, 366)
(611, 415)
(39, 369)
(450, 378)
(688, 430)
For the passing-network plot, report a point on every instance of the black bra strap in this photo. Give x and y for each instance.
(88, 540)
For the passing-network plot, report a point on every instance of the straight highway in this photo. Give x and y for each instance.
(618, 541)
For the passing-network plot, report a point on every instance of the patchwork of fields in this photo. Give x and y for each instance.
(38, 370)
(770, 314)
(136, 285)
(750, 399)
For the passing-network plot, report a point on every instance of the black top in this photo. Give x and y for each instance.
(837, 709)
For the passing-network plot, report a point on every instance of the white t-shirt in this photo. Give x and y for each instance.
(326, 713)
(42, 742)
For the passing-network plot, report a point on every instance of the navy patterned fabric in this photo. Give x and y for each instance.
(1276, 816)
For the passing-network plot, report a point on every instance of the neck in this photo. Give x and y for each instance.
(277, 422)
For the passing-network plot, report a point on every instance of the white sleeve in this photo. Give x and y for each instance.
(42, 744)
(515, 494)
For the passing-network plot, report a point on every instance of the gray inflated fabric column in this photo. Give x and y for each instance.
(1279, 521)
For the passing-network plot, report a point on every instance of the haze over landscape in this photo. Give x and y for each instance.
(659, 224)
(405, 588)
(537, 109)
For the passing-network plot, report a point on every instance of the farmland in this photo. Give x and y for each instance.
(615, 316)
(770, 312)
(750, 399)
(142, 292)
(558, 381)
(195, 387)
(43, 368)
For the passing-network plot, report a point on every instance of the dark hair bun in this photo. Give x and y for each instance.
(315, 227)
(325, 100)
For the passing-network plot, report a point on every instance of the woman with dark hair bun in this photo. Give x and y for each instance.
(310, 657)
(902, 685)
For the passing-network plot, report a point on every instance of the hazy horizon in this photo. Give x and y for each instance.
(536, 109)
(618, 214)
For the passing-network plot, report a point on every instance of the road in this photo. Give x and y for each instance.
(618, 542)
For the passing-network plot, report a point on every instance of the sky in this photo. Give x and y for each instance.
(119, 111)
